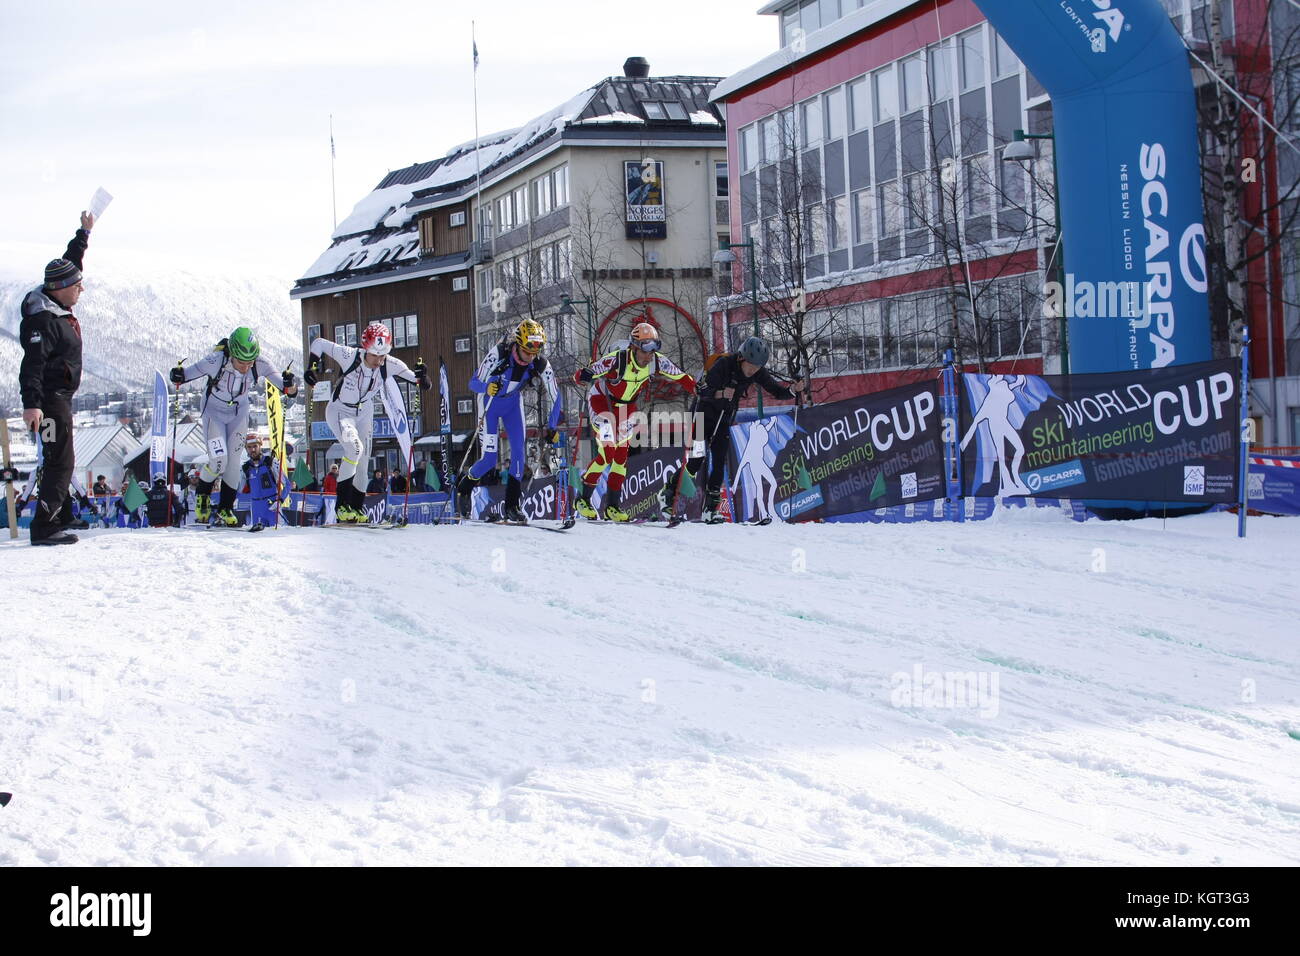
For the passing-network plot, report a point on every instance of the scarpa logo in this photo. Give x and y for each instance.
(1111, 18)
(1193, 479)
(1105, 24)
(1058, 476)
(801, 502)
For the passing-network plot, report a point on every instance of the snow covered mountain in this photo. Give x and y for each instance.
(1023, 690)
(136, 320)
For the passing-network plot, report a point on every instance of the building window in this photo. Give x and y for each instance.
(913, 69)
(313, 333)
(462, 343)
(654, 111)
(837, 223)
(888, 213)
(560, 188)
(836, 121)
(864, 216)
(675, 111)
(459, 283)
(886, 90)
(543, 200)
(941, 71)
(346, 334)
(976, 173)
(1005, 62)
(456, 219)
(971, 48)
(519, 197)
(749, 148)
(426, 233)
(860, 103)
(464, 406)
(810, 122)
(720, 180)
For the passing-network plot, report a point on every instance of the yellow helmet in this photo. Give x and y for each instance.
(530, 336)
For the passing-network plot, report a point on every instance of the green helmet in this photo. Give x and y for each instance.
(242, 344)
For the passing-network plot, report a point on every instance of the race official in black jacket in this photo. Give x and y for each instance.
(48, 378)
(721, 390)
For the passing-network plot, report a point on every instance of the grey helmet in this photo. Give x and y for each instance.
(754, 350)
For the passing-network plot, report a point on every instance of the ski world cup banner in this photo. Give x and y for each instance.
(844, 458)
(1155, 435)
(1127, 154)
(158, 433)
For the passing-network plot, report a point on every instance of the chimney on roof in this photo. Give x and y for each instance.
(636, 67)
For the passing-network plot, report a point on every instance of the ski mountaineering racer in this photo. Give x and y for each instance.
(505, 370)
(232, 370)
(721, 390)
(616, 380)
(351, 409)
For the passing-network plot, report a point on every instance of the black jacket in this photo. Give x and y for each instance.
(156, 508)
(51, 340)
(726, 373)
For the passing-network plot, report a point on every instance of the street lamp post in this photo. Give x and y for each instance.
(724, 256)
(566, 309)
(1019, 151)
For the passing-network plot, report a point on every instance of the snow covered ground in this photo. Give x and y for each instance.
(623, 695)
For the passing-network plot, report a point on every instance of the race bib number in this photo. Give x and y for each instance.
(490, 444)
(217, 448)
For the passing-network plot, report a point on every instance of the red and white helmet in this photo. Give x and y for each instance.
(377, 339)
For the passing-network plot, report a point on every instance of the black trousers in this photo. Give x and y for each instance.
(717, 438)
(53, 507)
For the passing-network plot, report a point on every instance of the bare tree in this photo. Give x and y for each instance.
(1250, 222)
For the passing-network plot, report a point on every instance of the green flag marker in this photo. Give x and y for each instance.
(133, 497)
(688, 485)
(878, 489)
(804, 479)
(431, 477)
(302, 476)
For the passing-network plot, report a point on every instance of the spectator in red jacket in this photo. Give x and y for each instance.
(332, 480)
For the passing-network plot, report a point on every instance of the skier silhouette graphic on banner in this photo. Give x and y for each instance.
(999, 404)
(756, 446)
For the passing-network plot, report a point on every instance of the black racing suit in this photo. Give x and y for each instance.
(718, 414)
(48, 378)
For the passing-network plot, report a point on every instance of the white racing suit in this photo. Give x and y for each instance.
(351, 414)
(225, 419)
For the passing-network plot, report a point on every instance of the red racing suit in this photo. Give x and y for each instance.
(616, 380)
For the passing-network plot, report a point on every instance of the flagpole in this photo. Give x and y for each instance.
(478, 163)
(334, 199)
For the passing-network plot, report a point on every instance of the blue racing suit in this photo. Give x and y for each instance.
(501, 365)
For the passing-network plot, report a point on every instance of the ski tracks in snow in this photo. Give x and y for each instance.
(719, 695)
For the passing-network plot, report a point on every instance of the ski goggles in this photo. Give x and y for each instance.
(648, 345)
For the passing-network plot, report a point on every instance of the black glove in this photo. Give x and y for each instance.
(287, 380)
(178, 375)
(309, 376)
(584, 375)
(422, 375)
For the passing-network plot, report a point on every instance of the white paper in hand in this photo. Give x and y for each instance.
(99, 202)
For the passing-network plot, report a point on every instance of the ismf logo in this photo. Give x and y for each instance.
(1255, 486)
(1193, 479)
(908, 482)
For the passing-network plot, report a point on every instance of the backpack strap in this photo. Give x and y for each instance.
(338, 386)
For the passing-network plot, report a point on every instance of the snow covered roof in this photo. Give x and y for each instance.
(89, 443)
(380, 235)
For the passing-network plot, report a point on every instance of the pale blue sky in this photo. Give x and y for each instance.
(210, 123)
